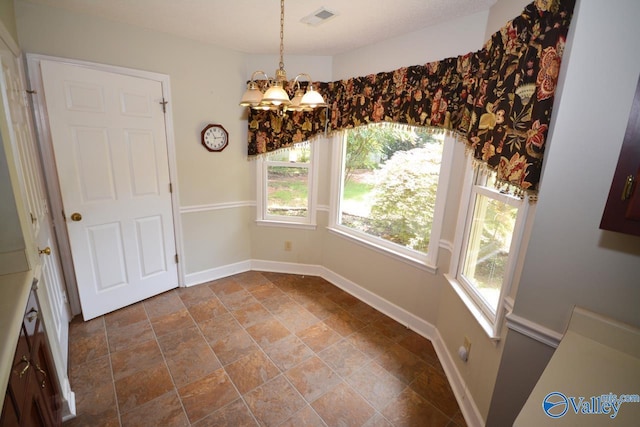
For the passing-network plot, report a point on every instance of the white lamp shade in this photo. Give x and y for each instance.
(276, 95)
(312, 99)
(252, 97)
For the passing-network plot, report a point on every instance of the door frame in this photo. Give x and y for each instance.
(51, 175)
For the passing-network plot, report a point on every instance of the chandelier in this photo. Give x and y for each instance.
(276, 97)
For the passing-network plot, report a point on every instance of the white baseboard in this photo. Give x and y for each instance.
(205, 276)
(467, 405)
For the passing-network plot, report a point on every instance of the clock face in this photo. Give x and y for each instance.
(215, 137)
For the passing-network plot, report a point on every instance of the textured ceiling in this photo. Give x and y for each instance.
(252, 26)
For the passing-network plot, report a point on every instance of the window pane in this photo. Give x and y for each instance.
(287, 191)
(390, 179)
(488, 247)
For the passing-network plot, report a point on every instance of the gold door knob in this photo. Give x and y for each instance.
(46, 251)
(76, 217)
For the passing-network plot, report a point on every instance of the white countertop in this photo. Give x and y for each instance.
(14, 293)
(597, 356)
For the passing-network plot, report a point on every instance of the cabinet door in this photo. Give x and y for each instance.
(622, 211)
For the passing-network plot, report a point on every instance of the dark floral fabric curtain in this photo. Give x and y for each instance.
(498, 99)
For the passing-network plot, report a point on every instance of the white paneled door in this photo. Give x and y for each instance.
(109, 142)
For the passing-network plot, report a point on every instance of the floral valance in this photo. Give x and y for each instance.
(498, 99)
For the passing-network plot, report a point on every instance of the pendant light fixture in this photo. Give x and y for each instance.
(276, 97)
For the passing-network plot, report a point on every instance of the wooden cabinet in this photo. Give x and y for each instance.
(33, 397)
(622, 211)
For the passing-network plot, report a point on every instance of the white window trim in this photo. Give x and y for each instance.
(426, 261)
(491, 323)
(308, 222)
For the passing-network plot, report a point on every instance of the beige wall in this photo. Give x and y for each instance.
(203, 80)
(7, 18)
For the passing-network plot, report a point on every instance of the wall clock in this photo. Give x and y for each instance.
(214, 137)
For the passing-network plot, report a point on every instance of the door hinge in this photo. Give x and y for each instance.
(176, 258)
(170, 188)
(164, 105)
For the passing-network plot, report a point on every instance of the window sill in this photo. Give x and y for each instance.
(285, 224)
(413, 261)
(487, 326)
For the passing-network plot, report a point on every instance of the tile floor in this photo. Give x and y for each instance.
(254, 349)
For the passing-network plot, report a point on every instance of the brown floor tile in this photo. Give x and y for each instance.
(163, 304)
(297, 318)
(195, 294)
(277, 302)
(378, 421)
(306, 417)
(237, 300)
(172, 322)
(265, 291)
(321, 307)
(86, 420)
(135, 358)
(160, 361)
(251, 314)
(409, 409)
(87, 347)
(207, 309)
(188, 355)
(343, 358)
(312, 378)
(78, 328)
(392, 329)
(143, 386)
(434, 387)
(251, 278)
(288, 352)
(319, 336)
(126, 336)
(344, 323)
(342, 298)
(225, 286)
(125, 316)
(268, 332)
(235, 414)
(403, 364)
(274, 402)
(376, 385)
(208, 394)
(234, 346)
(370, 341)
(342, 406)
(94, 392)
(251, 371)
(219, 327)
(420, 346)
(165, 411)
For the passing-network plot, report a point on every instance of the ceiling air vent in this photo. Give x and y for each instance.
(319, 16)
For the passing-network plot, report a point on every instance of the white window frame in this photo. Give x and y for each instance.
(428, 261)
(262, 181)
(490, 322)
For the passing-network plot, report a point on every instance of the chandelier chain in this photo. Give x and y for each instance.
(282, 34)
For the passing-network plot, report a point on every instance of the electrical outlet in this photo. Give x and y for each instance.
(467, 344)
(288, 245)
